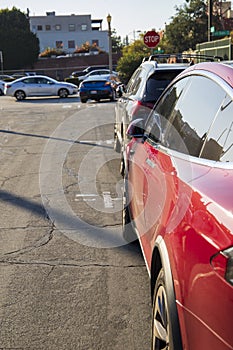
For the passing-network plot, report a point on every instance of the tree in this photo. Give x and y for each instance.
(116, 42)
(132, 56)
(19, 46)
(188, 27)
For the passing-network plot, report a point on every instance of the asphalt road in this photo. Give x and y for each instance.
(67, 278)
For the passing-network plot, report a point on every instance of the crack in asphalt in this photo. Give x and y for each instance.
(37, 244)
(54, 264)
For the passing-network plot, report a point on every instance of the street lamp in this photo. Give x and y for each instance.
(109, 18)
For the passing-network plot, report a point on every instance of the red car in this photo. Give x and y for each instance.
(179, 203)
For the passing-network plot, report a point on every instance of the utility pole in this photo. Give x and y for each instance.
(1, 60)
(210, 12)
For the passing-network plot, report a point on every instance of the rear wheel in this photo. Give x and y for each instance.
(83, 100)
(165, 324)
(128, 231)
(117, 144)
(20, 95)
(63, 93)
(1, 92)
(113, 97)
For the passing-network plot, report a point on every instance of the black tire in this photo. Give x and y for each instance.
(20, 95)
(1, 92)
(63, 93)
(117, 144)
(83, 100)
(165, 324)
(113, 97)
(127, 228)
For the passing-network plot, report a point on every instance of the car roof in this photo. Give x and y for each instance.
(32, 77)
(224, 71)
(103, 77)
(155, 65)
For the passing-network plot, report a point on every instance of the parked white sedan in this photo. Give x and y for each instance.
(39, 85)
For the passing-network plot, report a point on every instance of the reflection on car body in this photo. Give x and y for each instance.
(178, 203)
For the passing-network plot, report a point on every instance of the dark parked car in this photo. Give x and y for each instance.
(179, 203)
(87, 70)
(96, 88)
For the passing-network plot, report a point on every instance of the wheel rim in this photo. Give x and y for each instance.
(160, 325)
(20, 95)
(63, 93)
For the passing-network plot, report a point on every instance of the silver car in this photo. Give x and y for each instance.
(2, 84)
(39, 85)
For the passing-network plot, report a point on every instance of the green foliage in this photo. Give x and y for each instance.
(116, 42)
(87, 47)
(132, 56)
(188, 27)
(48, 52)
(20, 47)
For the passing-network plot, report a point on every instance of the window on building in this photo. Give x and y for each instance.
(58, 27)
(95, 42)
(71, 44)
(84, 27)
(71, 27)
(59, 44)
(39, 27)
(48, 27)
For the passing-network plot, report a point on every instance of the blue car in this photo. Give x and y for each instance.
(97, 88)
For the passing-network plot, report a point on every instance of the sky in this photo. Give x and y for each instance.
(128, 16)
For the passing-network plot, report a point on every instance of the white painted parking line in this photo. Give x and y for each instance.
(107, 200)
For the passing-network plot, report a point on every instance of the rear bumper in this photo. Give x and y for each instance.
(96, 95)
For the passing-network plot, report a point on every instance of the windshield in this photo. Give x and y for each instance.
(158, 82)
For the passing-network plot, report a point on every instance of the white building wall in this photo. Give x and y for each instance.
(78, 28)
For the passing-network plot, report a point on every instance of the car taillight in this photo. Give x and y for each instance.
(141, 109)
(222, 263)
(7, 86)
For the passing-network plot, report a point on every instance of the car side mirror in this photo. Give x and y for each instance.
(136, 128)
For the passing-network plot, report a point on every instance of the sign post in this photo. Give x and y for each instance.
(151, 39)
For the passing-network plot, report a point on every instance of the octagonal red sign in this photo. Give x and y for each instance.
(151, 39)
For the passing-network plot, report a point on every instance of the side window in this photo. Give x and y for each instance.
(132, 80)
(193, 114)
(157, 123)
(219, 143)
(30, 81)
(135, 86)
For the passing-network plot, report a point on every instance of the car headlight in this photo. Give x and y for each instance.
(222, 263)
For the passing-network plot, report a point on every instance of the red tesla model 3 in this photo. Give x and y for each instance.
(178, 200)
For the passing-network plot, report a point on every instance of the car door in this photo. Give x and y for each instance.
(45, 87)
(179, 125)
(29, 85)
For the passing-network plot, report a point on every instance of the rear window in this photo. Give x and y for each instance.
(158, 82)
(97, 83)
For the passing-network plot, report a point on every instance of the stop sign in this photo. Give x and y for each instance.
(151, 39)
